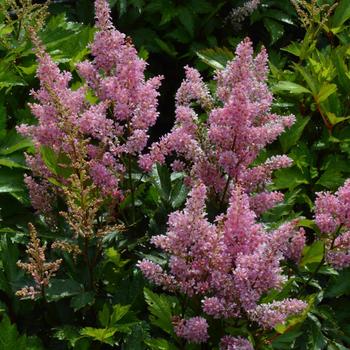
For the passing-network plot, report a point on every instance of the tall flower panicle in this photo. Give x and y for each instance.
(101, 137)
(220, 151)
(228, 264)
(332, 215)
(239, 14)
(40, 270)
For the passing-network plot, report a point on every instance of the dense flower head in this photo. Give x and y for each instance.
(111, 129)
(238, 14)
(194, 330)
(220, 151)
(332, 215)
(235, 343)
(272, 314)
(228, 264)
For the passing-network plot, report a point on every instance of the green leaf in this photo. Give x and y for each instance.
(185, 16)
(216, 57)
(161, 176)
(82, 300)
(62, 288)
(57, 163)
(275, 29)
(331, 179)
(339, 285)
(160, 344)
(313, 253)
(3, 121)
(289, 178)
(11, 181)
(14, 142)
(10, 338)
(291, 87)
(161, 310)
(294, 48)
(103, 335)
(68, 333)
(104, 315)
(325, 91)
(166, 47)
(11, 163)
(178, 194)
(292, 136)
(333, 119)
(119, 311)
(341, 14)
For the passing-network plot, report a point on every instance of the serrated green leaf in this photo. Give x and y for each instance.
(331, 179)
(313, 253)
(294, 48)
(216, 57)
(341, 14)
(81, 300)
(62, 288)
(119, 311)
(11, 339)
(275, 29)
(293, 88)
(185, 16)
(161, 176)
(339, 285)
(325, 91)
(14, 142)
(160, 308)
(103, 335)
(333, 119)
(292, 136)
(160, 344)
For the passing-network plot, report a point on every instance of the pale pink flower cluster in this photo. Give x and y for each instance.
(235, 343)
(220, 151)
(114, 128)
(194, 330)
(332, 215)
(272, 314)
(228, 264)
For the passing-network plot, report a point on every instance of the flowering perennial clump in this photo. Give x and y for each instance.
(95, 135)
(229, 264)
(220, 151)
(332, 215)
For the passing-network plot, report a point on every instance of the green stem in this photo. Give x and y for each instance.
(313, 275)
(131, 189)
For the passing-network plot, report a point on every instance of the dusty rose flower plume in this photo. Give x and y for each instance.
(332, 215)
(220, 151)
(228, 265)
(84, 150)
(95, 140)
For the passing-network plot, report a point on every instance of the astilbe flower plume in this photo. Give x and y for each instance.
(40, 270)
(98, 138)
(228, 264)
(239, 14)
(220, 151)
(332, 215)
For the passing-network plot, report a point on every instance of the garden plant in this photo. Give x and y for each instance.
(182, 185)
